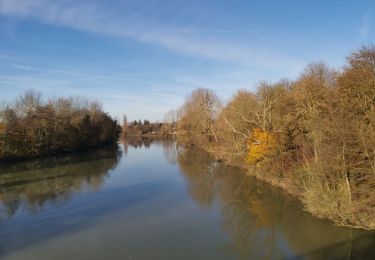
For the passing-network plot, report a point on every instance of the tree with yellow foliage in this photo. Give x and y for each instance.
(260, 145)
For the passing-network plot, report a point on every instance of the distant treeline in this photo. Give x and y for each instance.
(146, 128)
(313, 136)
(31, 127)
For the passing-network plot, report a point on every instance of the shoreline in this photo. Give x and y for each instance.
(56, 154)
(220, 155)
(274, 182)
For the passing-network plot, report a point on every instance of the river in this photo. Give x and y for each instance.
(156, 200)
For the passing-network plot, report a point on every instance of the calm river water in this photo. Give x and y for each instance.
(154, 200)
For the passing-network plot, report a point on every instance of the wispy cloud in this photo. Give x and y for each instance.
(116, 101)
(365, 26)
(238, 66)
(89, 16)
(211, 30)
(113, 90)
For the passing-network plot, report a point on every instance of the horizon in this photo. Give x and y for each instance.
(142, 59)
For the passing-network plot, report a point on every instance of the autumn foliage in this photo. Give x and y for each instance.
(260, 146)
(314, 136)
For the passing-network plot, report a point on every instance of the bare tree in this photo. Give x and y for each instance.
(199, 113)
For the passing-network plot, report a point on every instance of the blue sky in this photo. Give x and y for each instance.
(142, 57)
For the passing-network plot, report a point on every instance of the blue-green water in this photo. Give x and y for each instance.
(154, 200)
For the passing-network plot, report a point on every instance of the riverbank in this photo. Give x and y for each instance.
(32, 127)
(313, 135)
(223, 156)
(291, 185)
(57, 155)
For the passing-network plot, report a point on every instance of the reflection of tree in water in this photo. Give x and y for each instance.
(199, 173)
(246, 216)
(170, 151)
(260, 220)
(135, 142)
(34, 183)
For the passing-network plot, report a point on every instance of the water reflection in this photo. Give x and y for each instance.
(32, 184)
(138, 142)
(261, 221)
(144, 199)
(199, 170)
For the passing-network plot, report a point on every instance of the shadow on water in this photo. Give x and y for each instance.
(361, 247)
(262, 221)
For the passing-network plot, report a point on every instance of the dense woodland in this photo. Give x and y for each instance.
(31, 127)
(313, 136)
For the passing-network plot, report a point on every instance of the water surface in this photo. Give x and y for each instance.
(154, 200)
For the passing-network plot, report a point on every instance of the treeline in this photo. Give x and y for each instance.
(145, 128)
(313, 136)
(31, 127)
